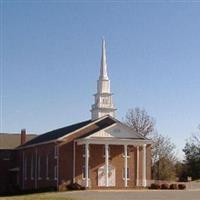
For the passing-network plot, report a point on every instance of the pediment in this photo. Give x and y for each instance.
(117, 130)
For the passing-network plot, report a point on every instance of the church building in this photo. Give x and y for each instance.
(101, 152)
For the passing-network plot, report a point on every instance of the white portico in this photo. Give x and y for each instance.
(120, 135)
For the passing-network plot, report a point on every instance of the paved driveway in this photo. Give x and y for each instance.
(133, 195)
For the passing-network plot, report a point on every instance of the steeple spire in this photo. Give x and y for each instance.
(103, 72)
(103, 98)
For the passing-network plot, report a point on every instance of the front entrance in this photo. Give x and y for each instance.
(102, 176)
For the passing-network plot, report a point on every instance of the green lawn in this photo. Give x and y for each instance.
(41, 196)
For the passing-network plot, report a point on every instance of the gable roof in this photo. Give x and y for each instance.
(75, 130)
(65, 131)
(13, 140)
(57, 133)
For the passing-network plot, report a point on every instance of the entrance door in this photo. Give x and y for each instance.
(102, 176)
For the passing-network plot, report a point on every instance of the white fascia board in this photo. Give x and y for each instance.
(112, 141)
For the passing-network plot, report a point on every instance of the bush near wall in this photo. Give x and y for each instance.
(181, 186)
(173, 187)
(155, 186)
(165, 186)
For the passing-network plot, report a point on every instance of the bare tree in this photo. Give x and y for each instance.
(140, 121)
(163, 157)
(163, 150)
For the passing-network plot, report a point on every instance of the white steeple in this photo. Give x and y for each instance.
(103, 72)
(103, 98)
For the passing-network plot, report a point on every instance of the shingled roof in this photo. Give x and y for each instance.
(58, 133)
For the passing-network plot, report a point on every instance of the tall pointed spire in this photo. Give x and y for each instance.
(103, 72)
(103, 98)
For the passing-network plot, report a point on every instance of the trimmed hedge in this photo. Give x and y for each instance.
(155, 186)
(166, 186)
(173, 186)
(181, 186)
(75, 186)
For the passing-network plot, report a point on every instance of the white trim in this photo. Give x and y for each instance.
(138, 166)
(112, 141)
(104, 153)
(128, 173)
(106, 163)
(83, 172)
(86, 164)
(144, 181)
(125, 166)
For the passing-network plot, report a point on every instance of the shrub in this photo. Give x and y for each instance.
(164, 186)
(181, 186)
(75, 186)
(155, 186)
(173, 186)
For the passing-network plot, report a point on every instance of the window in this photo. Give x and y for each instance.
(32, 175)
(84, 151)
(47, 167)
(25, 168)
(39, 167)
(128, 175)
(55, 152)
(83, 172)
(55, 172)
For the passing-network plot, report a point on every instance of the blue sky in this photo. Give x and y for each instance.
(50, 58)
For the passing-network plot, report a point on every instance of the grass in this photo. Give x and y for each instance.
(41, 196)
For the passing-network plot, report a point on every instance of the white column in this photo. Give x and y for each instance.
(138, 165)
(125, 166)
(86, 164)
(106, 164)
(144, 181)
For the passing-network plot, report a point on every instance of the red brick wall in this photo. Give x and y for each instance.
(65, 163)
(42, 181)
